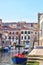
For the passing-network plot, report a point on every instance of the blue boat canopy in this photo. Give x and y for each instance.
(27, 45)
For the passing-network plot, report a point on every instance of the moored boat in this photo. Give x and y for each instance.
(19, 58)
(9, 47)
(5, 49)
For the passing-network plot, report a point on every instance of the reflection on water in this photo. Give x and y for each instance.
(5, 59)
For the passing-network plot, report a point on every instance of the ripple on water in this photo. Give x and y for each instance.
(6, 64)
(5, 59)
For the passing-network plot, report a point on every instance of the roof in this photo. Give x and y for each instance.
(17, 23)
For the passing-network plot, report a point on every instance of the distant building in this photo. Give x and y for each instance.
(30, 35)
(20, 32)
(0, 32)
(40, 22)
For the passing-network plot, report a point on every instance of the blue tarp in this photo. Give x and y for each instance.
(27, 46)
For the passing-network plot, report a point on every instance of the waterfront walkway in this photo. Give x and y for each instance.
(36, 55)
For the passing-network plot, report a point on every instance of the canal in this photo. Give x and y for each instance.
(5, 59)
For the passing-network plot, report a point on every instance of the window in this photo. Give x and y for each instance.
(31, 32)
(13, 38)
(27, 42)
(31, 25)
(16, 32)
(22, 32)
(25, 37)
(16, 38)
(9, 37)
(5, 37)
(10, 33)
(22, 37)
(25, 32)
(13, 32)
(28, 32)
(0, 35)
(2, 41)
(28, 37)
(35, 32)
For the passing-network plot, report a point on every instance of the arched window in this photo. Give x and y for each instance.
(16, 32)
(28, 37)
(25, 37)
(9, 37)
(13, 33)
(25, 32)
(10, 33)
(21, 32)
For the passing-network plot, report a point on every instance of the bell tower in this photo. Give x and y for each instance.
(40, 24)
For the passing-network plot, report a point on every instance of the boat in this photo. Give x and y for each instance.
(9, 47)
(19, 58)
(5, 49)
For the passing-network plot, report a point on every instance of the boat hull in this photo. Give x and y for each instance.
(20, 61)
(5, 49)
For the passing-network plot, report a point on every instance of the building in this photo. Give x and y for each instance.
(29, 35)
(20, 32)
(0, 32)
(40, 22)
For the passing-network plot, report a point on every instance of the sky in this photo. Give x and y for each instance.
(20, 10)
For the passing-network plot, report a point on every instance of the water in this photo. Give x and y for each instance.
(5, 59)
